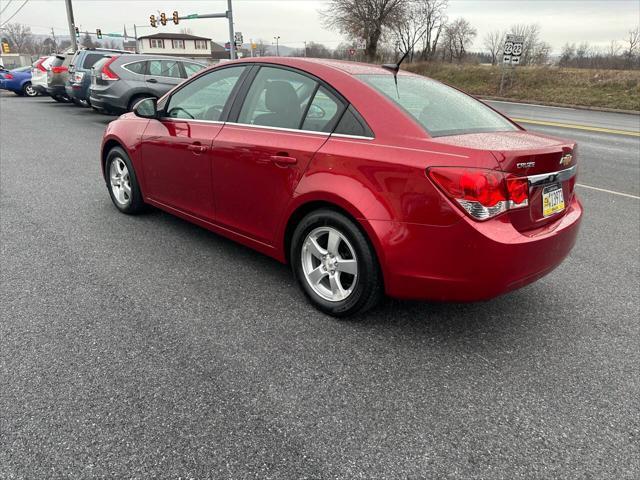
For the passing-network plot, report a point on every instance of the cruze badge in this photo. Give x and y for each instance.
(526, 165)
(566, 159)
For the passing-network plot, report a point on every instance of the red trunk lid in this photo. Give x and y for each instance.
(526, 154)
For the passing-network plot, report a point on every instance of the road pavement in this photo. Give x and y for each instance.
(146, 347)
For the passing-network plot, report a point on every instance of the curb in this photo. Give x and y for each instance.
(563, 105)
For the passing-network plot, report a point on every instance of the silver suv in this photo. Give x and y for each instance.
(118, 82)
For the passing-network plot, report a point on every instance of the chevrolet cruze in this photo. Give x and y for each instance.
(367, 183)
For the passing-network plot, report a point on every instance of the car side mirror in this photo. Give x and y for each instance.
(146, 108)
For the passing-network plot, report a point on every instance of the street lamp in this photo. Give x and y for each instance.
(277, 39)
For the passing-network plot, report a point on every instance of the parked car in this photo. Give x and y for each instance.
(18, 81)
(79, 80)
(120, 81)
(364, 181)
(39, 73)
(57, 77)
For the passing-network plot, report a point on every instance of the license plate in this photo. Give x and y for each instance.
(552, 200)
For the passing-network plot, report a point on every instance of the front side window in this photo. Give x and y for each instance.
(164, 68)
(156, 43)
(277, 98)
(440, 109)
(205, 97)
(177, 44)
(201, 44)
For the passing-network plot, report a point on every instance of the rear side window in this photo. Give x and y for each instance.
(164, 68)
(323, 113)
(192, 68)
(277, 98)
(90, 59)
(136, 67)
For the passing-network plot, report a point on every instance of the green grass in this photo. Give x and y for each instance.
(619, 89)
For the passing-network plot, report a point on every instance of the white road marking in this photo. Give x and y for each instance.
(608, 191)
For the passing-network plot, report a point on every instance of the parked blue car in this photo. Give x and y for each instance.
(18, 81)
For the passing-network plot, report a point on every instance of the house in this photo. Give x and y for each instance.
(178, 44)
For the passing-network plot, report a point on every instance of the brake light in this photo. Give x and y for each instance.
(8, 76)
(108, 74)
(59, 69)
(481, 193)
(77, 77)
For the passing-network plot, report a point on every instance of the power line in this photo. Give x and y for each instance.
(5, 7)
(16, 12)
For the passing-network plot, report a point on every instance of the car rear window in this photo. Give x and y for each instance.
(440, 109)
(91, 59)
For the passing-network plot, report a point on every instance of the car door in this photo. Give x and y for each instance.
(162, 76)
(176, 149)
(264, 149)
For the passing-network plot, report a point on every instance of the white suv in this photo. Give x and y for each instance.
(39, 73)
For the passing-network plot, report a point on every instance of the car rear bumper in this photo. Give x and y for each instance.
(471, 261)
(58, 90)
(75, 91)
(102, 100)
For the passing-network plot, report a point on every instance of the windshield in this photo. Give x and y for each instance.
(440, 109)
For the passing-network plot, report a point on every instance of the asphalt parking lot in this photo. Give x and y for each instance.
(146, 347)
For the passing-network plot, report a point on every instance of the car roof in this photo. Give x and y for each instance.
(143, 56)
(345, 66)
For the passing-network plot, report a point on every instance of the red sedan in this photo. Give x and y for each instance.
(365, 182)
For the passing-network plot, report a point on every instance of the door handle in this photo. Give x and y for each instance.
(197, 148)
(283, 160)
(152, 80)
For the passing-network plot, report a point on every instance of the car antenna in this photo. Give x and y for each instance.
(395, 67)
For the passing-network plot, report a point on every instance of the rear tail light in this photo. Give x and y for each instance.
(108, 74)
(8, 76)
(481, 193)
(59, 69)
(39, 65)
(77, 77)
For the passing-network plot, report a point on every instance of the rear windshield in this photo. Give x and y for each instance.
(91, 59)
(440, 109)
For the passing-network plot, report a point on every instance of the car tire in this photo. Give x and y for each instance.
(340, 279)
(28, 90)
(136, 99)
(122, 182)
(59, 99)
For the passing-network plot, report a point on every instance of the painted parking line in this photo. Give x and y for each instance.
(578, 127)
(628, 195)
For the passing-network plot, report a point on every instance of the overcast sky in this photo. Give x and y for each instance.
(561, 21)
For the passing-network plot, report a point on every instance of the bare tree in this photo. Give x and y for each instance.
(186, 30)
(458, 36)
(19, 36)
(633, 45)
(493, 42)
(419, 20)
(364, 19)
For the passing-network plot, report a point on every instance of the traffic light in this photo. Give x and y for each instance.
(99, 34)
(77, 32)
(5, 47)
(163, 19)
(176, 18)
(152, 21)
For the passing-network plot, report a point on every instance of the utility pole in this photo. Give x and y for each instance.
(55, 42)
(232, 40)
(135, 37)
(277, 39)
(72, 25)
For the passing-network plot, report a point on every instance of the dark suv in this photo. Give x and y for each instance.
(77, 86)
(119, 82)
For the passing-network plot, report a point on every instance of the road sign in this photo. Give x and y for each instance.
(227, 46)
(352, 51)
(512, 49)
(238, 39)
(5, 47)
(361, 44)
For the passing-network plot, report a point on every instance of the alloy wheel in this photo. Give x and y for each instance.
(30, 91)
(120, 182)
(329, 264)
